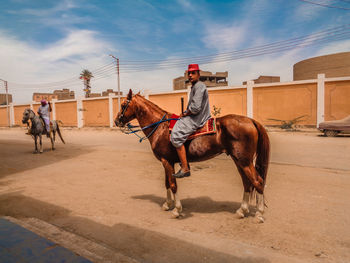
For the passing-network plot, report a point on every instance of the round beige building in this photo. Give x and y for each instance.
(333, 65)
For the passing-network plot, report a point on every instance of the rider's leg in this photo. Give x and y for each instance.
(185, 170)
(181, 152)
(47, 126)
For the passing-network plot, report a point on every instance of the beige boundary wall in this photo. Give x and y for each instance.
(318, 100)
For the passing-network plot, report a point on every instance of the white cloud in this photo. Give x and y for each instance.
(185, 4)
(305, 12)
(65, 59)
(80, 43)
(224, 38)
(336, 47)
(60, 7)
(60, 16)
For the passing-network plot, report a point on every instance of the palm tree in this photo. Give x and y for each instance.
(86, 75)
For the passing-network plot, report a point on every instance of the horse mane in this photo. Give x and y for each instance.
(153, 106)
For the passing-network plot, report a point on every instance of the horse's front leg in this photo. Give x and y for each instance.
(35, 144)
(244, 209)
(41, 143)
(171, 186)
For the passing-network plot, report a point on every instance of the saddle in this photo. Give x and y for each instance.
(208, 128)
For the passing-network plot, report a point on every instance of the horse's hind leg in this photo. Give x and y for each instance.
(170, 184)
(244, 208)
(260, 206)
(249, 173)
(52, 141)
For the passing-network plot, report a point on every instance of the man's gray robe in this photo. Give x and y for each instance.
(199, 106)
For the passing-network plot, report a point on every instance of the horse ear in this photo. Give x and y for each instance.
(129, 95)
(138, 93)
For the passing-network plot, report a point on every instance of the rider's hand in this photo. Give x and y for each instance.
(185, 113)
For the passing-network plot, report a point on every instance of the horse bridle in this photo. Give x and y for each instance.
(29, 111)
(124, 110)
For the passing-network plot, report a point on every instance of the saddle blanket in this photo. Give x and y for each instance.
(208, 128)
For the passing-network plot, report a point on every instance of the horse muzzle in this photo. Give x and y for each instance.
(118, 123)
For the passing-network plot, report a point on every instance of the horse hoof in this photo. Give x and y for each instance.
(35, 152)
(259, 218)
(175, 213)
(240, 213)
(165, 207)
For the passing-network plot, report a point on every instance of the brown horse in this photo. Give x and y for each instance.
(240, 137)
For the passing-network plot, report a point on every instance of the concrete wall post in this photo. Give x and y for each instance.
(250, 85)
(53, 105)
(146, 94)
(80, 114)
(320, 98)
(110, 104)
(31, 105)
(12, 114)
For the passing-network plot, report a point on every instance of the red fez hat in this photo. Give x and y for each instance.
(193, 67)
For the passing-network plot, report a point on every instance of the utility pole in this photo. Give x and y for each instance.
(7, 102)
(117, 60)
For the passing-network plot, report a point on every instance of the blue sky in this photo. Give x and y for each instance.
(44, 45)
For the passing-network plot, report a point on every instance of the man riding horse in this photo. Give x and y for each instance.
(193, 118)
(44, 113)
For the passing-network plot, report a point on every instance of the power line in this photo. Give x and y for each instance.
(128, 66)
(324, 5)
(252, 52)
(294, 41)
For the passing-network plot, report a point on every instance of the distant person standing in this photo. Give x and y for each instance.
(44, 113)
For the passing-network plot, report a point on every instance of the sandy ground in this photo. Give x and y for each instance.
(107, 187)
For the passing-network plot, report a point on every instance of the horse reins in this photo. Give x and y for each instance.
(129, 126)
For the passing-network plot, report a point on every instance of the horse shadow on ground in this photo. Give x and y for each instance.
(141, 244)
(202, 204)
(17, 156)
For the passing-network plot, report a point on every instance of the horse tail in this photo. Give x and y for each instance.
(59, 131)
(263, 151)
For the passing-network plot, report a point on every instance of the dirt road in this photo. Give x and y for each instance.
(107, 187)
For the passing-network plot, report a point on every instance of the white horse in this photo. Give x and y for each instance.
(38, 129)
